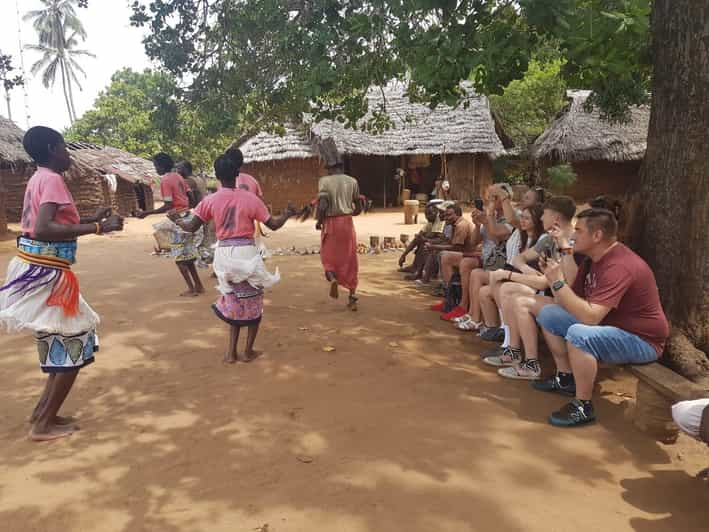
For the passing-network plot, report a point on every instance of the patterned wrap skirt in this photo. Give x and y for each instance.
(46, 300)
(242, 277)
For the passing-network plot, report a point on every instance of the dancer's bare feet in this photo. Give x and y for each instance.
(60, 421)
(200, 289)
(230, 359)
(189, 293)
(334, 292)
(53, 432)
(250, 356)
(352, 303)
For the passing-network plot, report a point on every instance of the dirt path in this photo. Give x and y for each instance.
(401, 428)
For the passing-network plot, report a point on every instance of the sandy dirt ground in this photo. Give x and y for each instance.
(400, 428)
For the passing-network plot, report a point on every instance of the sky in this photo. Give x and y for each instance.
(110, 37)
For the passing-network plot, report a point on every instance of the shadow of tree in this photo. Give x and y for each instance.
(401, 427)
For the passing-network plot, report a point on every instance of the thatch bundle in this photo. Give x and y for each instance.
(12, 153)
(576, 135)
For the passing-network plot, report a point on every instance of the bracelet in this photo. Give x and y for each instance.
(98, 228)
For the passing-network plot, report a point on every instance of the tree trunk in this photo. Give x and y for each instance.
(672, 216)
(66, 95)
(9, 107)
(71, 95)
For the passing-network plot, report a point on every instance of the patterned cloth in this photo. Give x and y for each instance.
(244, 306)
(185, 246)
(37, 297)
(242, 277)
(59, 353)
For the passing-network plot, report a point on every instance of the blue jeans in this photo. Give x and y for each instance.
(607, 344)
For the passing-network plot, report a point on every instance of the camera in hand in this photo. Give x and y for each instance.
(478, 202)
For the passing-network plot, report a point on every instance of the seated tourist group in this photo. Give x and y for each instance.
(509, 272)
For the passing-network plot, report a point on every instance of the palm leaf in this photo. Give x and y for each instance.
(49, 76)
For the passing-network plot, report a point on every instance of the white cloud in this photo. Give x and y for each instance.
(110, 37)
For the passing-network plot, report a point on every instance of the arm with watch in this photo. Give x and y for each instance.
(587, 313)
(562, 238)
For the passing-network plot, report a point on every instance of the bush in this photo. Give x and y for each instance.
(561, 176)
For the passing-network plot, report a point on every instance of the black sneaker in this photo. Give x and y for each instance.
(493, 334)
(573, 414)
(552, 384)
(494, 352)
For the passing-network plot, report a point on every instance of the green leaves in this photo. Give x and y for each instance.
(144, 113)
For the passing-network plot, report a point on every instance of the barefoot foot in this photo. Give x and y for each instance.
(334, 292)
(54, 432)
(250, 355)
(229, 359)
(189, 293)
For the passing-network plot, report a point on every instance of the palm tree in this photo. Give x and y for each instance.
(52, 23)
(64, 60)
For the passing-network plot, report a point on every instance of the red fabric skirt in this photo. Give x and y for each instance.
(338, 250)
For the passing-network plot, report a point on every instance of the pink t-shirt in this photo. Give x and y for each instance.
(249, 181)
(233, 211)
(46, 186)
(174, 188)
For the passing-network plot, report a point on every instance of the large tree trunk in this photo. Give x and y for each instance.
(672, 230)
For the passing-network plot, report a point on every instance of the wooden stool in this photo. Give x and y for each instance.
(411, 212)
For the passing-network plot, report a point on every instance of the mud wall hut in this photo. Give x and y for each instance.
(107, 176)
(454, 143)
(605, 156)
(16, 167)
(287, 167)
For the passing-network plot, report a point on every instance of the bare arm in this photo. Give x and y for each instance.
(584, 311)
(357, 204)
(521, 260)
(167, 206)
(191, 225)
(510, 213)
(274, 224)
(321, 213)
(496, 231)
(538, 282)
(47, 229)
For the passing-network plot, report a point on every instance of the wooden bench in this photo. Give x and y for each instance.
(658, 389)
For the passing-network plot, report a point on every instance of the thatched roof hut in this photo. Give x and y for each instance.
(12, 154)
(605, 156)
(15, 168)
(106, 176)
(459, 142)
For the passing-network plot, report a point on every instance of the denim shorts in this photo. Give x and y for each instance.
(607, 344)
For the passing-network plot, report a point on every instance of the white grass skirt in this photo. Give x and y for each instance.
(30, 310)
(236, 264)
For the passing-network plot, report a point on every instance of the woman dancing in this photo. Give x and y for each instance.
(41, 293)
(240, 270)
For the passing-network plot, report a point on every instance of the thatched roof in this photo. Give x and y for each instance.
(416, 129)
(294, 144)
(11, 151)
(576, 135)
(108, 160)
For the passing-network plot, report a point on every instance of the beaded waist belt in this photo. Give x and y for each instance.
(236, 242)
(49, 262)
